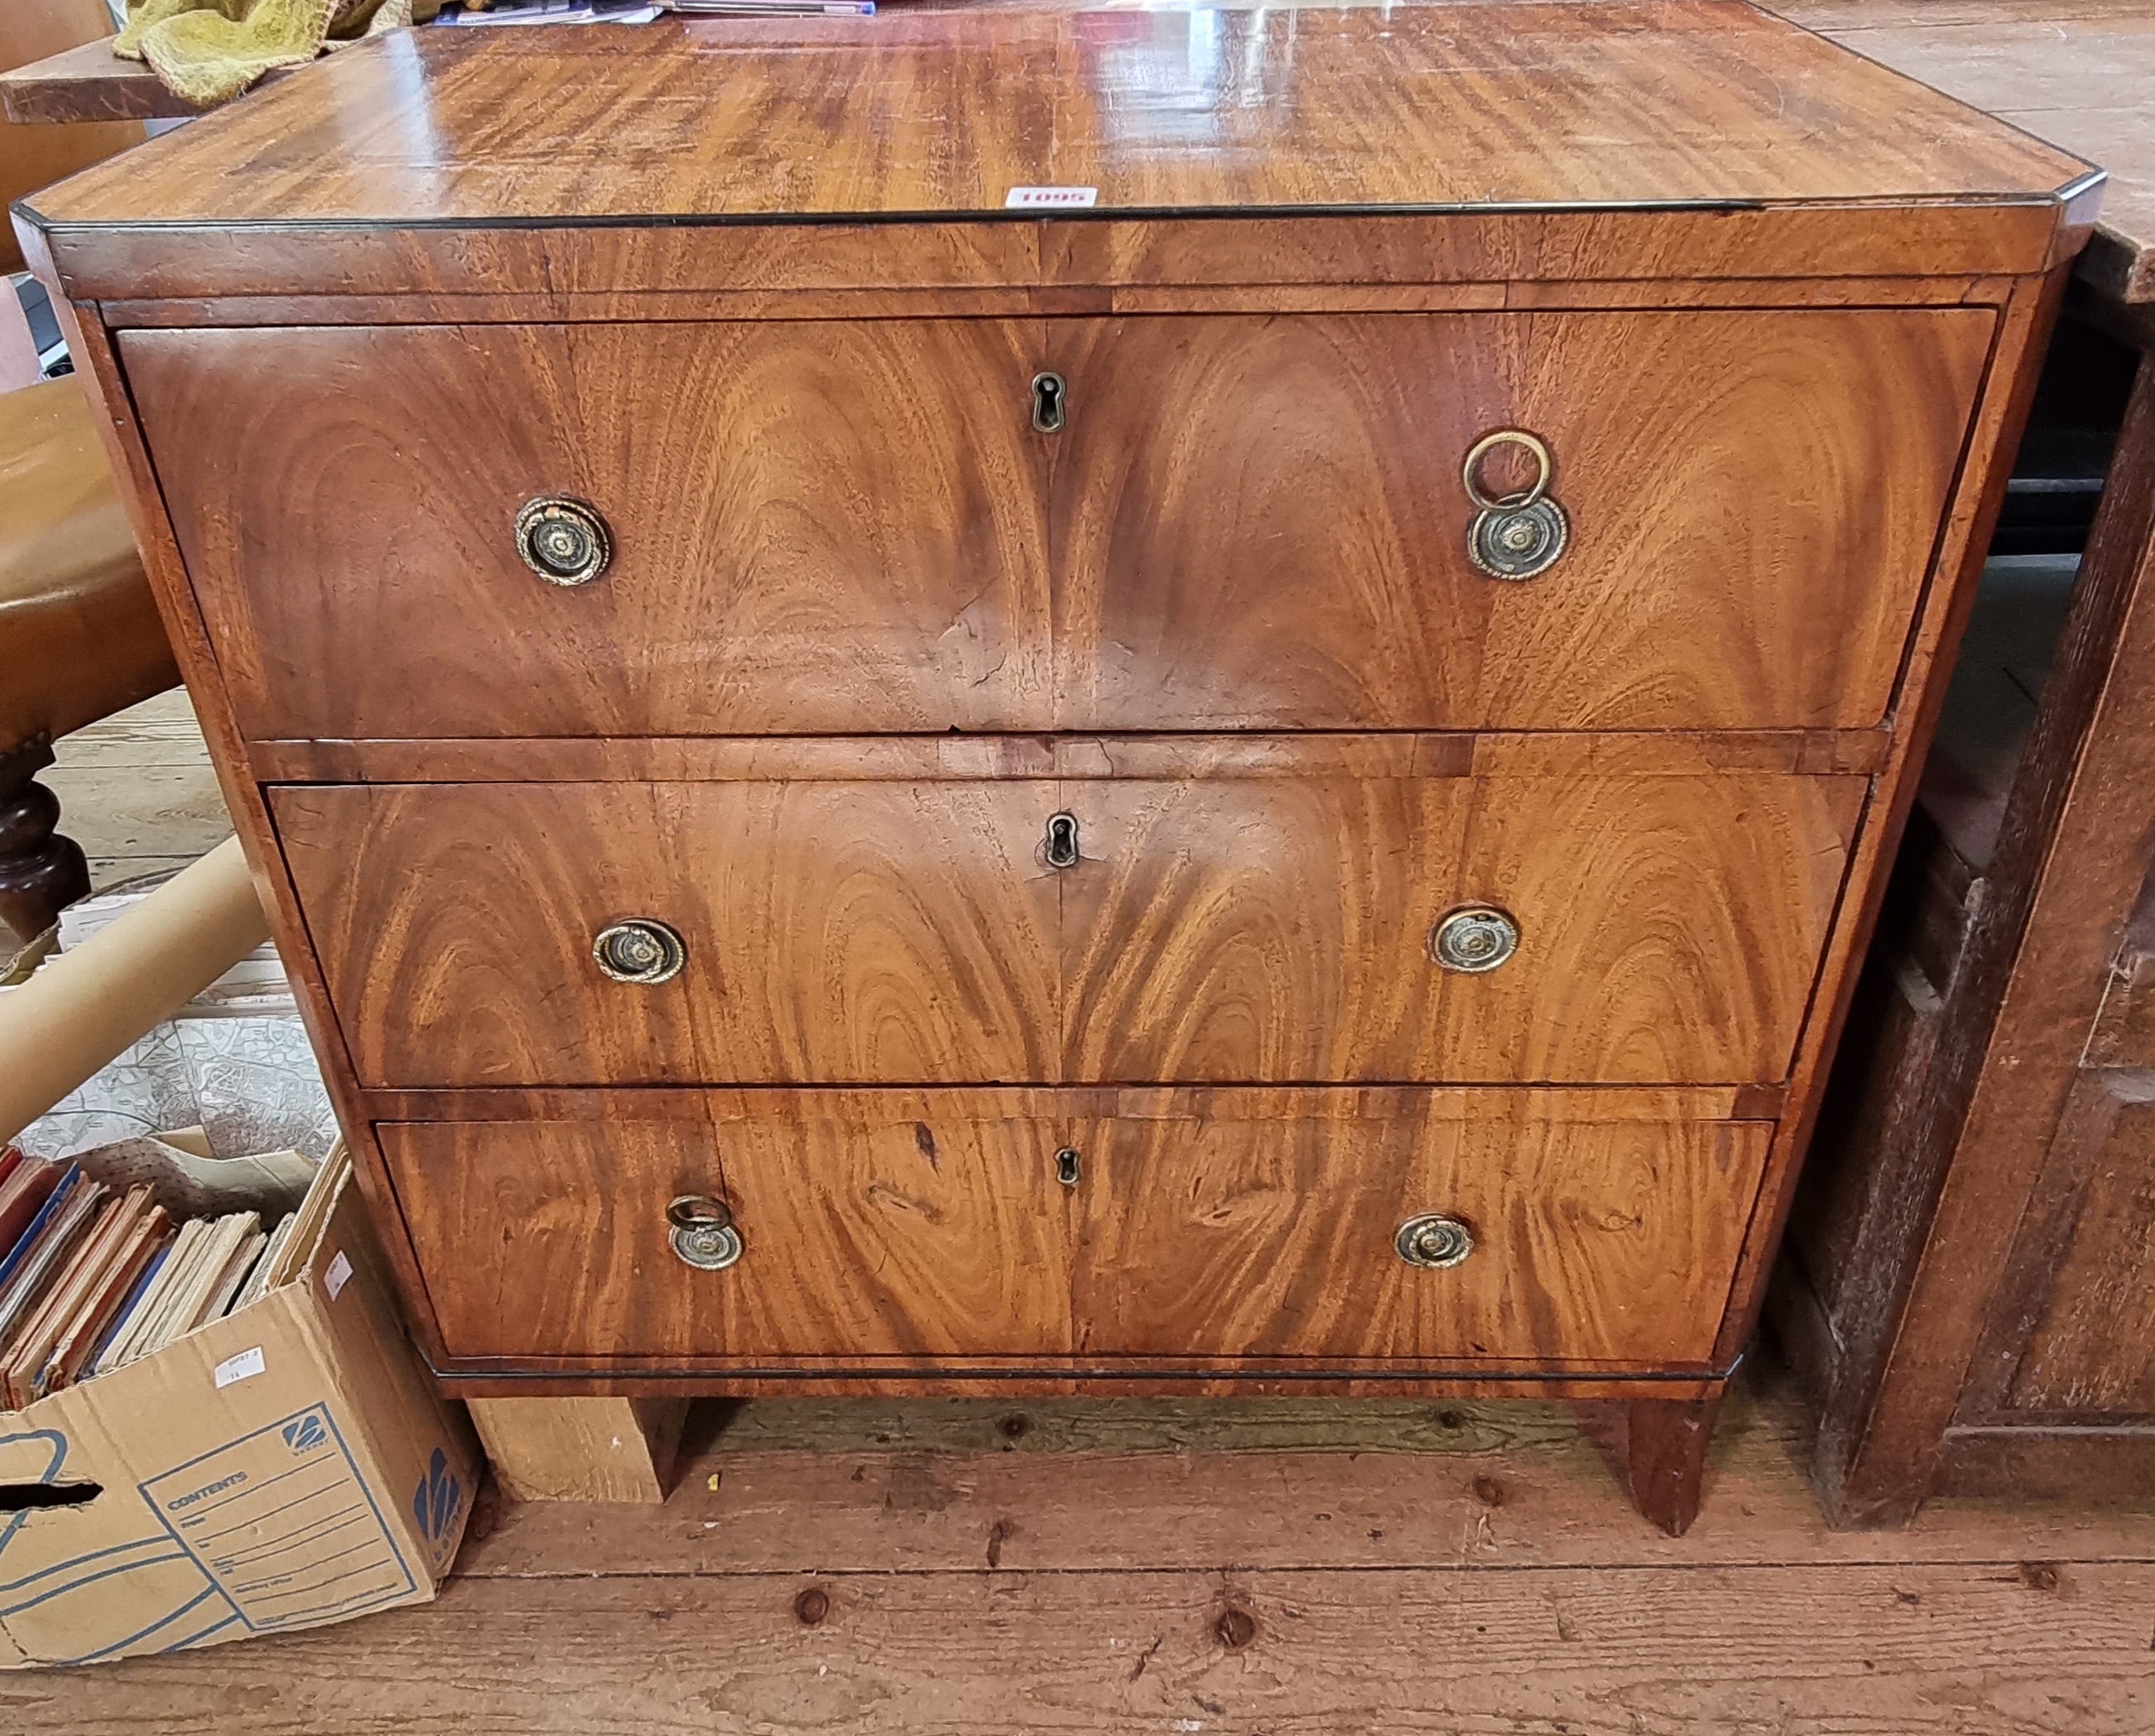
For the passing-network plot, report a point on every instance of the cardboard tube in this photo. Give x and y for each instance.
(84, 1007)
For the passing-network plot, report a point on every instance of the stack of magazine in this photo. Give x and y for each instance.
(97, 1270)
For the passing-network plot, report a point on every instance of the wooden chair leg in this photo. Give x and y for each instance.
(1658, 1446)
(40, 871)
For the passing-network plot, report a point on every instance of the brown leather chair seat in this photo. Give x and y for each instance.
(80, 636)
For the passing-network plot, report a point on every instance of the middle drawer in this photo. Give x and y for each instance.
(1260, 928)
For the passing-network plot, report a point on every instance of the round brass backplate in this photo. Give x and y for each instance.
(563, 541)
(701, 1232)
(642, 950)
(1474, 938)
(1518, 538)
(1433, 1242)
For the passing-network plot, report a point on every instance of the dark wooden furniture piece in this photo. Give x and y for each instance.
(88, 82)
(1968, 1283)
(37, 33)
(79, 634)
(1265, 783)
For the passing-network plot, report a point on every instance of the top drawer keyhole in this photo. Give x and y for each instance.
(1051, 402)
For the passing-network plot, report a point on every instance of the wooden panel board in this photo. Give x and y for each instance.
(834, 931)
(815, 527)
(917, 115)
(912, 1225)
(2072, 1336)
(89, 83)
(1248, 930)
(1249, 1224)
(1901, 1651)
(1261, 1222)
(2074, 72)
(1275, 929)
(34, 157)
(580, 1449)
(1443, 1542)
(1667, 753)
(1262, 521)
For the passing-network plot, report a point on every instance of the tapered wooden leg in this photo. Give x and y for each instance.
(40, 871)
(580, 1449)
(1658, 1446)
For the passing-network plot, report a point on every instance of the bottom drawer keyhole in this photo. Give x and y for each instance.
(1066, 1166)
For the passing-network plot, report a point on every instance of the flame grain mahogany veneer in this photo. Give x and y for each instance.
(873, 786)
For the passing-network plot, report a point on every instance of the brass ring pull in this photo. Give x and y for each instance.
(1434, 1241)
(702, 1233)
(1474, 938)
(1514, 536)
(563, 541)
(1487, 444)
(642, 950)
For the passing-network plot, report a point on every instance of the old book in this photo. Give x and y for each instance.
(150, 1308)
(246, 1253)
(23, 1192)
(258, 1277)
(201, 1283)
(76, 1277)
(106, 1356)
(46, 1248)
(86, 1330)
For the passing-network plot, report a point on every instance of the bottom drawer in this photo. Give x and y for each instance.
(1074, 1227)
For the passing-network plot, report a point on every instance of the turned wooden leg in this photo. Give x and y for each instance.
(1659, 1448)
(40, 871)
(580, 1449)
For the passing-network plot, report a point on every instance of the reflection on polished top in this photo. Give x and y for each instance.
(941, 114)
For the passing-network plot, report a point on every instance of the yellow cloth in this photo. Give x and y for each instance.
(208, 51)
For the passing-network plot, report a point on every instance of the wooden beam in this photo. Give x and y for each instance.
(581, 1449)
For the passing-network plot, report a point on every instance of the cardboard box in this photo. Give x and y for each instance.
(288, 1466)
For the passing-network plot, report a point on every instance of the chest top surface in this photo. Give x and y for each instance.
(1438, 107)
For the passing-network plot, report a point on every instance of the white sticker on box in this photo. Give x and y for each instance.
(244, 1366)
(1051, 199)
(339, 1274)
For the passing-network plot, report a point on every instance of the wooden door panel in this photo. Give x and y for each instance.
(1259, 521)
(835, 932)
(1262, 1222)
(822, 527)
(1268, 929)
(2071, 1338)
(872, 1225)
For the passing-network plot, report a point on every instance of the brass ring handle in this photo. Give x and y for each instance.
(1434, 1241)
(563, 541)
(701, 1233)
(641, 950)
(1518, 536)
(1474, 938)
(1487, 444)
(698, 1211)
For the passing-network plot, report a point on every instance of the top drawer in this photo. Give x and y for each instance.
(839, 527)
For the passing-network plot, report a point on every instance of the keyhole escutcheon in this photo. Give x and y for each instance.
(1062, 846)
(1051, 402)
(1066, 1166)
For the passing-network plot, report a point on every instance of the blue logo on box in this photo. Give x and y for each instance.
(307, 1433)
(438, 1500)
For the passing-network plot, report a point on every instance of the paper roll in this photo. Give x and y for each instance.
(83, 1007)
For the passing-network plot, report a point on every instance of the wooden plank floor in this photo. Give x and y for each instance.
(136, 791)
(1290, 1568)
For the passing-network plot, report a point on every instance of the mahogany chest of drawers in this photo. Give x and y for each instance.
(1197, 702)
